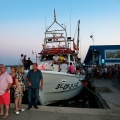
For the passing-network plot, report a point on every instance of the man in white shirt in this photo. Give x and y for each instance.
(21, 58)
(5, 84)
(55, 59)
(63, 67)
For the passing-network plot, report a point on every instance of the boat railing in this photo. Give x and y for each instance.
(55, 42)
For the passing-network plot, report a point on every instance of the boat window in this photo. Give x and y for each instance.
(71, 58)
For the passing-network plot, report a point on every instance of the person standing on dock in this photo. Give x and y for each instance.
(24, 61)
(29, 63)
(5, 84)
(19, 89)
(35, 83)
(21, 58)
(13, 72)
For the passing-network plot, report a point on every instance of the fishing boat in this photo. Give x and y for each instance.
(58, 85)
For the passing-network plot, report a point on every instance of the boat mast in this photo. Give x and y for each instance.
(55, 21)
(78, 35)
(63, 29)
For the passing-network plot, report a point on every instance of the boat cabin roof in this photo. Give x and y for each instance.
(52, 51)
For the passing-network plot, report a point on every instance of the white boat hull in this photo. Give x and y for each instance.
(59, 86)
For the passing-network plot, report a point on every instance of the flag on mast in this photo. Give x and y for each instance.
(75, 47)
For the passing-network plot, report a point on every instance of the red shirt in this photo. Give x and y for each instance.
(13, 79)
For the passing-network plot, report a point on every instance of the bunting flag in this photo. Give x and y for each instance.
(75, 47)
(43, 46)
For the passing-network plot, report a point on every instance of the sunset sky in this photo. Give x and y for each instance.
(23, 23)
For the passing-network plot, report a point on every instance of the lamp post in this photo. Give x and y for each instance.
(91, 36)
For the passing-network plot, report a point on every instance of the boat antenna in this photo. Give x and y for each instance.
(70, 22)
(78, 34)
(54, 16)
(70, 18)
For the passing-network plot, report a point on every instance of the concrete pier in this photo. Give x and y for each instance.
(110, 91)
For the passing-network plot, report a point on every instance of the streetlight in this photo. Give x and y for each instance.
(91, 36)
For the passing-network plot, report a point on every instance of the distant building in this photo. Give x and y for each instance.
(103, 55)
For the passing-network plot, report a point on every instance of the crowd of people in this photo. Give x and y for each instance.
(12, 86)
(91, 72)
(104, 72)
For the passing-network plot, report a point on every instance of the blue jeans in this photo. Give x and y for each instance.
(33, 96)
